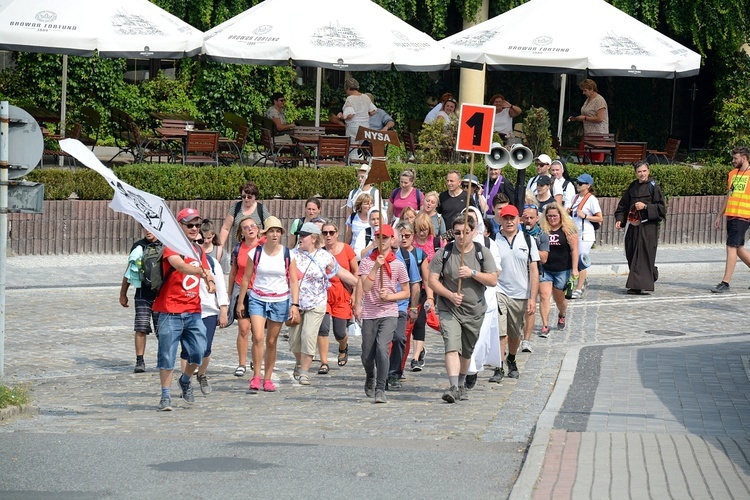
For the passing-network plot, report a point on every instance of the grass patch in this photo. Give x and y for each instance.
(13, 396)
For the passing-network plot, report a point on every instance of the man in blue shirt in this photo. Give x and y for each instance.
(380, 120)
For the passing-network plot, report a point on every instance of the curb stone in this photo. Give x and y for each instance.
(16, 411)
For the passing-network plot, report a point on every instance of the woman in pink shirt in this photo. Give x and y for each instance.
(405, 196)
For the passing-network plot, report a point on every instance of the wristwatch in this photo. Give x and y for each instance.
(473, 273)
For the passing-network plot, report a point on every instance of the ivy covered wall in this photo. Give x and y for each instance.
(640, 107)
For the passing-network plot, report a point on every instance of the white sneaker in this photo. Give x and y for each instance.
(577, 294)
(525, 346)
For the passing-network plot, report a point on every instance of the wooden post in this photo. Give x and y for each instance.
(378, 169)
(466, 211)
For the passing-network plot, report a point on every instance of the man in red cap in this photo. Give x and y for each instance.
(461, 313)
(380, 275)
(179, 308)
(517, 286)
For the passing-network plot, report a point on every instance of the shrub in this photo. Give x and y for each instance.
(437, 142)
(13, 396)
(537, 131)
(178, 182)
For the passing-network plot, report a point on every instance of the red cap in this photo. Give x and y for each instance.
(385, 230)
(187, 214)
(509, 211)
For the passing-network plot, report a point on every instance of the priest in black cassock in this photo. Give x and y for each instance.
(640, 210)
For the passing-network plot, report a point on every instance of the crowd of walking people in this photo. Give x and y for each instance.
(476, 276)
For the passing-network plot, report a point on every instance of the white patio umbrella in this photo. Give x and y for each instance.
(113, 28)
(356, 35)
(571, 36)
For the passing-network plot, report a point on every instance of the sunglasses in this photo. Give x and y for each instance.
(328, 233)
(191, 225)
(530, 206)
(580, 183)
(406, 236)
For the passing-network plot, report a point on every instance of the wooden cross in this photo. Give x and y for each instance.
(378, 138)
(378, 169)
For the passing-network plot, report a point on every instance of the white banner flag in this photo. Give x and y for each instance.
(151, 211)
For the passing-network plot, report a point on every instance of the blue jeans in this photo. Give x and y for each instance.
(210, 322)
(398, 347)
(185, 328)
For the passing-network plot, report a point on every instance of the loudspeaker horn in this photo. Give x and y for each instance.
(520, 157)
(498, 157)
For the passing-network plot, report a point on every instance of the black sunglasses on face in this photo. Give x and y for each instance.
(191, 225)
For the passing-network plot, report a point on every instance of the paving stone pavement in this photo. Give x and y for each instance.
(611, 382)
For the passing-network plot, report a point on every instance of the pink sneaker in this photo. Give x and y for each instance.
(255, 384)
(268, 386)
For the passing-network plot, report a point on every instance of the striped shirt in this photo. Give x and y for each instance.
(372, 306)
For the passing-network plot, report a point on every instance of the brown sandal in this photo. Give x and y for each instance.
(343, 360)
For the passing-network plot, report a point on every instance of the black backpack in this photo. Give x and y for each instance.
(449, 248)
(261, 212)
(417, 252)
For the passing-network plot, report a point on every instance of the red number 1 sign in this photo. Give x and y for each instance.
(475, 124)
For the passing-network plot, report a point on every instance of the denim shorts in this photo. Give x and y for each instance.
(186, 329)
(272, 311)
(736, 231)
(558, 278)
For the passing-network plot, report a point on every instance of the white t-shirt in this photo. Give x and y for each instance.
(591, 207)
(358, 227)
(354, 194)
(568, 194)
(446, 117)
(513, 281)
(432, 115)
(503, 122)
(270, 283)
(359, 106)
(211, 303)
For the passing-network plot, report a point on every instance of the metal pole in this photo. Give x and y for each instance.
(4, 139)
(561, 113)
(63, 107)
(318, 91)
(671, 116)
(693, 94)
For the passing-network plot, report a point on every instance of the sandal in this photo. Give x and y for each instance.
(323, 370)
(240, 371)
(345, 352)
(295, 373)
(304, 379)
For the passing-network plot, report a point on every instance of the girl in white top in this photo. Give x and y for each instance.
(585, 210)
(358, 221)
(448, 113)
(563, 188)
(268, 300)
(362, 246)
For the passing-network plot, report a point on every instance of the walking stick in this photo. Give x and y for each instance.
(466, 211)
